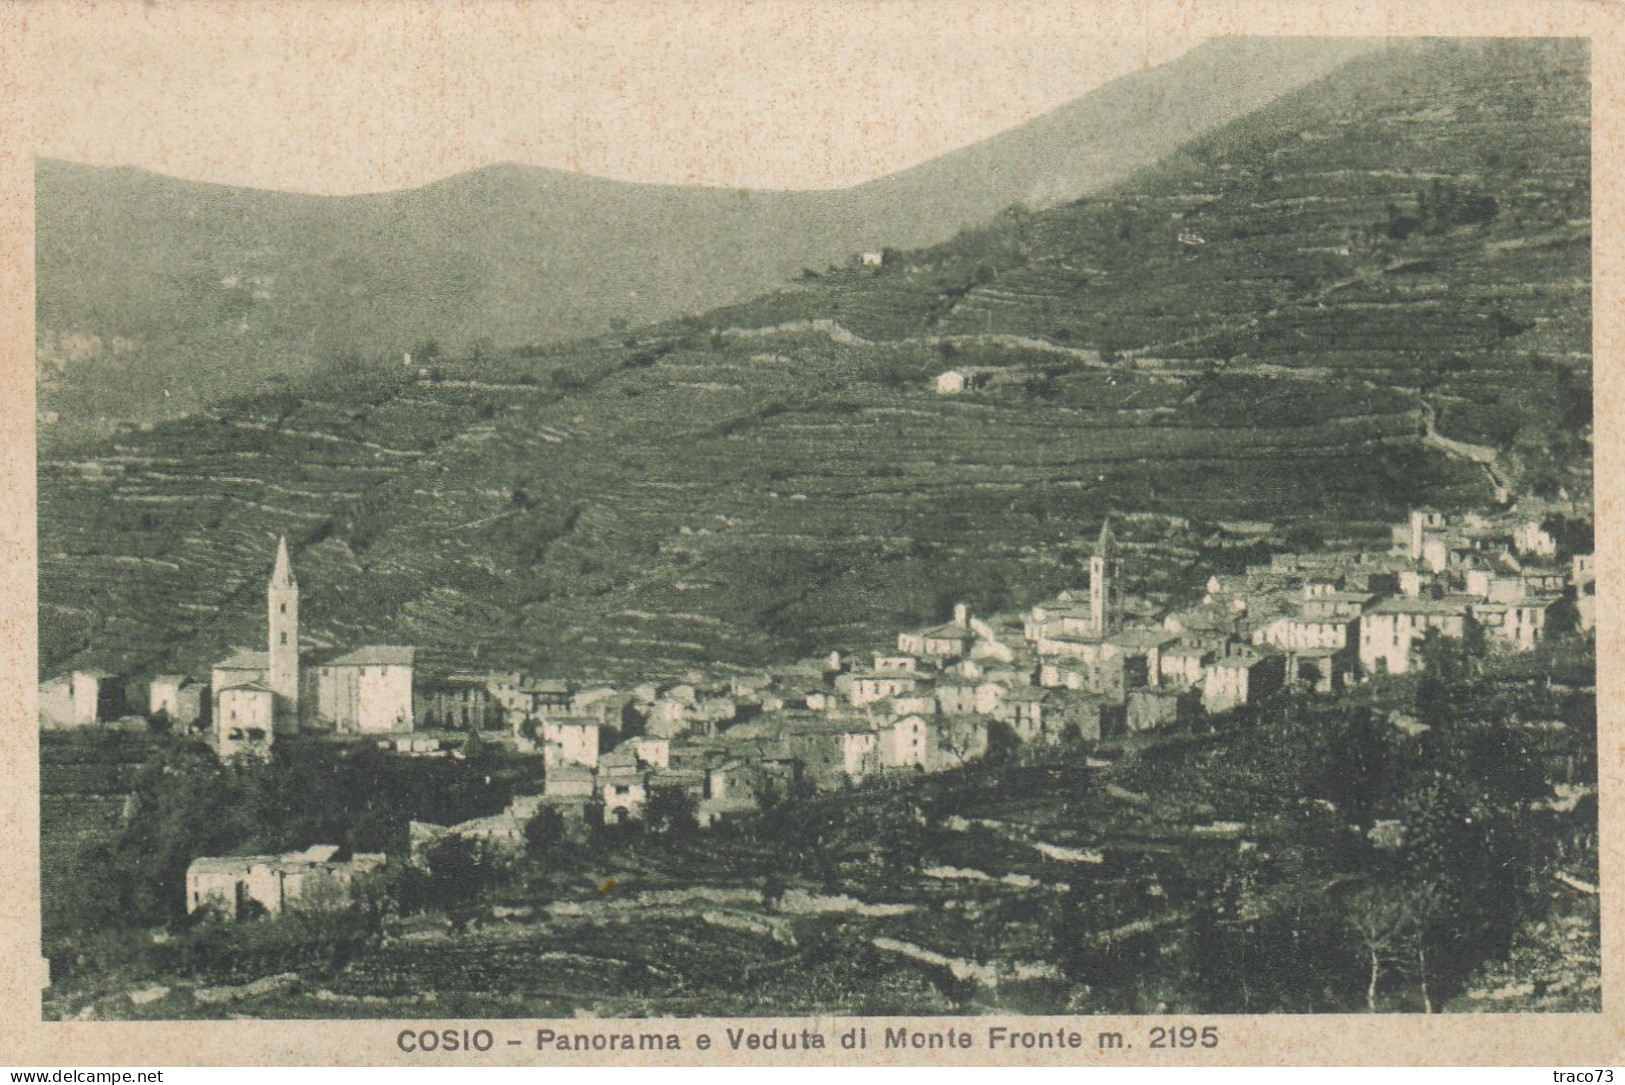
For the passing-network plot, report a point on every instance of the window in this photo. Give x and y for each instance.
(282, 608)
(284, 638)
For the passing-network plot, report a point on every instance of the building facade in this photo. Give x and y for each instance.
(367, 691)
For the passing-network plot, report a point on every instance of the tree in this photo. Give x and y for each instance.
(544, 832)
(897, 836)
(457, 875)
(671, 811)
(482, 351)
(321, 894)
(1355, 774)
(1383, 926)
(184, 808)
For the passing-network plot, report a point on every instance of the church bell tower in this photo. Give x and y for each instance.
(282, 661)
(1105, 585)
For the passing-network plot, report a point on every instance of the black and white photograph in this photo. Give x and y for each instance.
(1046, 526)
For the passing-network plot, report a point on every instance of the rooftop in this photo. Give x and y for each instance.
(1403, 605)
(573, 721)
(848, 725)
(1142, 638)
(244, 659)
(376, 655)
(315, 855)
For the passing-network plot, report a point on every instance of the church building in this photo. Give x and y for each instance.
(258, 694)
(1106, 585)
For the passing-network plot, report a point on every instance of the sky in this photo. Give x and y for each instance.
(341, 96)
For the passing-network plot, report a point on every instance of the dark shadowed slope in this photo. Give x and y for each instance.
(158, 295)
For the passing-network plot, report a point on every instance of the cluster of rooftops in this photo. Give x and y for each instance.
(1083, 665)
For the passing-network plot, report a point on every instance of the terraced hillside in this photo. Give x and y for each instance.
(780, 477)
(158, 296)
(85, 782)
(1419, 220)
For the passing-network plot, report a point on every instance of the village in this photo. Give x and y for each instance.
(1082, 667)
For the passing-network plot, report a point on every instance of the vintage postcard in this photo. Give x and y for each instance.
(998, 533)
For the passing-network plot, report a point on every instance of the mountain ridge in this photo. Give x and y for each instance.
(157, 295)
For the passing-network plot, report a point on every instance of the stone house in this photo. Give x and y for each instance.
(1530, 537)
(864, 688)
(569, 780)
(1332, 605)
(905, 743)
(1322, 669)
(1298, 632)
(948, 641)
(970, 699)
(245, 720)
(1390, 630)
(918, 704)
(733, 787)
(622, 786)
(651, 751)
(311, 879)
(1240, 676)
(177, 698)
(79, 699)
(1023, 711)
(957, 741)
(1517, 625)
(458, 702)
(1156, 709)
(832, 751)
(569, 739)
(1583, 575)
(1182, 665)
